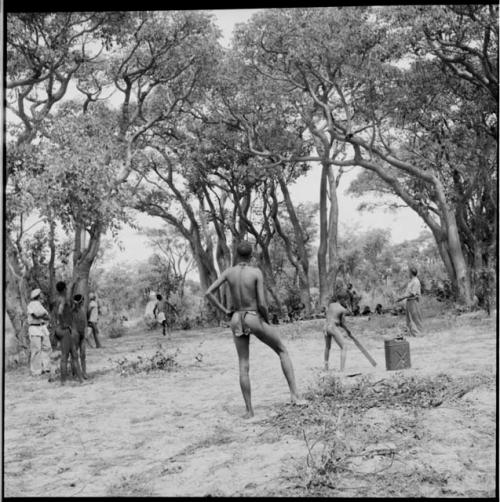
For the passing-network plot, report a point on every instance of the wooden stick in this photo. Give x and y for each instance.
(361, 348)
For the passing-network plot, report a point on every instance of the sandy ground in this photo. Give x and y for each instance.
(180, 433)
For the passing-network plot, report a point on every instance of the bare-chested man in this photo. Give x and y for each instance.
(249, 315)
(334, 321)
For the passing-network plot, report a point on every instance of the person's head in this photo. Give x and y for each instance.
(36, 294)
(244, 251)
(92, 296)
(413, 271)
(61, 287)
(159, 297)
(77, 301)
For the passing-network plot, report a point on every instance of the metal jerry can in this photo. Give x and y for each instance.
(397, 354)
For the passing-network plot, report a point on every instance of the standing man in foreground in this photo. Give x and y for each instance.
(249, 315)
(40, 347)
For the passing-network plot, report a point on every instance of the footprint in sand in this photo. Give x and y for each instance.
(173, 469)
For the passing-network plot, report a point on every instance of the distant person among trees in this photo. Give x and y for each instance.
(150, 312)
(249, 315)
(412, 296)
(40, 348)
(335, 322)
(92, 315)
(165, 314)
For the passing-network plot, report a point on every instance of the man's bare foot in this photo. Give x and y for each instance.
(326, 367)
(298, 401)
(248, 414)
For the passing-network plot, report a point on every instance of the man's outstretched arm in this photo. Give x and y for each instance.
(215, 285)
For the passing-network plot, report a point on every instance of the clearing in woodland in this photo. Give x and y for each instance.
(162, 418)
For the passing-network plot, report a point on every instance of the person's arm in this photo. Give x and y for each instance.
(172, 306)
(215, 285)
(261, 299)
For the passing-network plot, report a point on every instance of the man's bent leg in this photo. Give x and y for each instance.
(265, 333)
(242, 348)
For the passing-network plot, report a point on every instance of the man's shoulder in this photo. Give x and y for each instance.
(249, 268)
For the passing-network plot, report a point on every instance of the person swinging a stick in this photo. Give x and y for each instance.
(335, 323)
(249, 315)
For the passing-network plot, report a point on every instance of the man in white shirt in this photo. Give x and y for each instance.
(412, 296)
(40, 348)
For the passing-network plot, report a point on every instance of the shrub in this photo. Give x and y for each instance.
(159, 361)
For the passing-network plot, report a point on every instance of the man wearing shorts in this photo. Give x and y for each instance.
(249, 315)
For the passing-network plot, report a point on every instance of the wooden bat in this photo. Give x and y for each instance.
(361, 348)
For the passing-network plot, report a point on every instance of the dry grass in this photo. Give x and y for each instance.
(348, 452)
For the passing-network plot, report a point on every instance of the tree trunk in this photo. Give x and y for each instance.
(454, 246)
(269, 279)
(223, 256)
(301, 251)
(457, 258)
(324, 292)
(83, 258)
(333, 223)
(16, 297)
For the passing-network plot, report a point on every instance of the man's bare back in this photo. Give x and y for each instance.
(243, 283)
(249, 315)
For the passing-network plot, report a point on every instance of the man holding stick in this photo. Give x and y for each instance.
(412, 297)
(335, 319)
(249, 315)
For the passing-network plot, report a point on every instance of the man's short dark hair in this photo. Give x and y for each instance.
(60, 286)
(159, 297)
(244, 249)
(78, 298)
(413, 270)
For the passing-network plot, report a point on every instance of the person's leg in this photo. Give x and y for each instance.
(35, 355)
(95, 332)
(414, 317)
(242, 348)
(46, 350)
(65, 339)
(83, 357)
(265, 333)
(408, 319)
(328, 344)
(343, 348)
(75, 360)
(164, 326)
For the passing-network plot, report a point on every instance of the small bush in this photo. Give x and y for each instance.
(160, 361)
(114, 327)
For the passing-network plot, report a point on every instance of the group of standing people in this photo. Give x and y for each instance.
(69, 327)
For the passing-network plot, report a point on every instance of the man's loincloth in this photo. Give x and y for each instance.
(238, 322)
